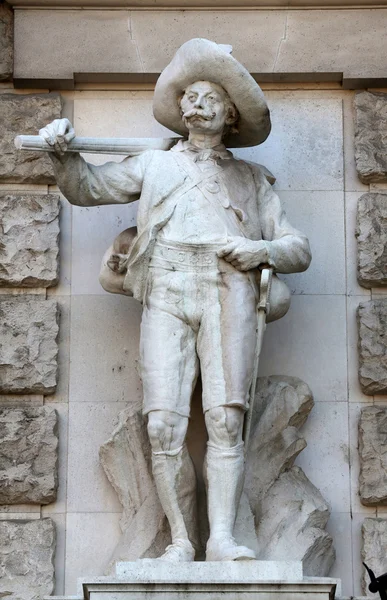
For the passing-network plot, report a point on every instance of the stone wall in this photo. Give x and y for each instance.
(87, 373)
(29, 327)
(371, 232)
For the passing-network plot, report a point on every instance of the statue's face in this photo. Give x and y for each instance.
(205, 108)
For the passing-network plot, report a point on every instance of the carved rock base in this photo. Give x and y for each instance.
(281, 513)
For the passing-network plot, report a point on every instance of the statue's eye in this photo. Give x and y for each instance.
(192, 98)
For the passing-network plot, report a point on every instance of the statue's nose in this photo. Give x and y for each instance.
(198, 102)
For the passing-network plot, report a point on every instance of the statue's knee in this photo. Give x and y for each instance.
(225, 425)
(166, 430)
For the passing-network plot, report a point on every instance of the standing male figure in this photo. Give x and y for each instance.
(206, 223)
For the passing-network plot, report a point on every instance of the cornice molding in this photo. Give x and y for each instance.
(198, 4)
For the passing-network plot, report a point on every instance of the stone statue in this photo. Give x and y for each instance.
(207, 223)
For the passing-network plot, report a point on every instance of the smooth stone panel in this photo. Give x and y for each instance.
(371, 232)
(90, 541)
(73, 42)
(370, 133)
(94, 423)
(320, 216)
(26, 114)
(246, 31)
(333, 41)
(29, 242)
(325, 460)
(6, 41)
(339, 526)
(305, 148)
(28, 455)
(310, 343)
(104, 349)
(277, 45)
(27, 551)
(373, 455)
(372, 344)
(29, 350)
(156, 571)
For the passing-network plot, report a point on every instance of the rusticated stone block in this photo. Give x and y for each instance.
(29, 246)
(28, 455)
(25, 115)
(6, 41)
(374, 549)
(371, 233)
(372, 344)
(373, 455)
(28, 347)
(27, 550)
(370, 136)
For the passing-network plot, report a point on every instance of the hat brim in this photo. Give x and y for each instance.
(203, 60)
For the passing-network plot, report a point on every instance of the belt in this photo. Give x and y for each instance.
(177, 256)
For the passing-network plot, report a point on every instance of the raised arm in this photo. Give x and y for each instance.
(84, 184)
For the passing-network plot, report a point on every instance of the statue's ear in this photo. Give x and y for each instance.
(232, 115)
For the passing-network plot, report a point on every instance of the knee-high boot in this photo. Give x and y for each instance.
(166, 468)
(225, 470)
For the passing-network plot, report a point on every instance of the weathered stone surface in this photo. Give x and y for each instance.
(371, 233)
(6, 41)
(372, 324)
(27, 551)
(373, 455)
(25, 115)
(28, 455)
(290, 514)
(281, 513)
(374, 550)
(370, 136)
(126, 459)
(29, 248)
(28, 347)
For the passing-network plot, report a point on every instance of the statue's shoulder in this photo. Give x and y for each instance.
(260, 172)
(156, 159)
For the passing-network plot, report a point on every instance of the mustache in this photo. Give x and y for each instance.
(207, 116)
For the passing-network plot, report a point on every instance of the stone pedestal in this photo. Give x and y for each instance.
(151, 579)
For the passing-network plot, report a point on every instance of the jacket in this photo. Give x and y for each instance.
(158, 178)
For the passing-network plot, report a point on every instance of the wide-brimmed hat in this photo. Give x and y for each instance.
(203, 60)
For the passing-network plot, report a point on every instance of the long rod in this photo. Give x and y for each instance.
(124, 146)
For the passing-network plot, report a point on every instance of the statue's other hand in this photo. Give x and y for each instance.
(244, 254)
(58, 134)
